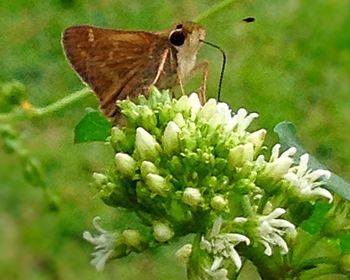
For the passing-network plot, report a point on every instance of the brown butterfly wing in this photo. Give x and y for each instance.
(114, 63)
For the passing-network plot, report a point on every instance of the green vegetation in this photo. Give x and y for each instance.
(292, 64)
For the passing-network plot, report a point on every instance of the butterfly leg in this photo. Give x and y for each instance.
(161, 66)
(203, 66)
(181, 84)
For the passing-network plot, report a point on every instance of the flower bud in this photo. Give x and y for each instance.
(184, 253)
(179, 120)
(157, 184)
(125, 164)
(100, 178)
(183, 104)
(148, 167)
(218, 203)
(245, 119)
(162, 232)
(132, 238)
(148, 117)
(235, 156)
(146, 145)
(195, 105)
(170, 138)
(222, 116)
(208, 110)
(192, 197)
(117, 135)
(130, 110)
(257, 138)
(278, 168)
(240, 154)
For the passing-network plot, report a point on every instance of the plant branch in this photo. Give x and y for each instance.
(49, 109)
(212, 10)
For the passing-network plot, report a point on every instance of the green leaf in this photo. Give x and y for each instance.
(286, 132)
(313, 225)
(93, 127)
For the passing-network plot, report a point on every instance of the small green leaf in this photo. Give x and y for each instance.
(313, 225)
(93, 127)
(286, 132)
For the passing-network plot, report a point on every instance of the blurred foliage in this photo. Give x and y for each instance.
(292, 64)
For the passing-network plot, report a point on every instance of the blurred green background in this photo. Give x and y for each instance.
(292, 64)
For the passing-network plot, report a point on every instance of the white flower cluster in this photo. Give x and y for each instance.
(177, 160)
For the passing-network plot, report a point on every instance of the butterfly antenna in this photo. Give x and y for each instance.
(222, 68)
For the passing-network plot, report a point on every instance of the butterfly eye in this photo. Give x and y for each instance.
(177, 38)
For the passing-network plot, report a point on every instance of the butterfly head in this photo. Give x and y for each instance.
(187, 35)
(186, 38)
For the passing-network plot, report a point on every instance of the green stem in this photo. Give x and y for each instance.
(62, 103)
(212, 10)
(247, 207)
(49, 109)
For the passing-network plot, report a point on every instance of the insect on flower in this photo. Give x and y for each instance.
(118, 64)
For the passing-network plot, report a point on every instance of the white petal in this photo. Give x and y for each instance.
(247, 121)
(321, 192)
(231, 124)
(208, 110)
(216, 227)
(205, 245)
(195, 105)
(216, 263)
(281, 243)
(302, 168)
(240, 220)
(276, 213)
(279, 167)
(292, 178)
(88, 237)
(237, 238)
(183, 104)
(315, 175)
(275, 152)
(96, 224)
(100, 259)
(179, 120)
(280, 223)
(257, 138)
(288, 153)
(224, 110)
(268, 249)
(236, 259)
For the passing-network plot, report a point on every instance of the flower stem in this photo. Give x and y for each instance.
(49, 109)
(212, 10)
(62, 103)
